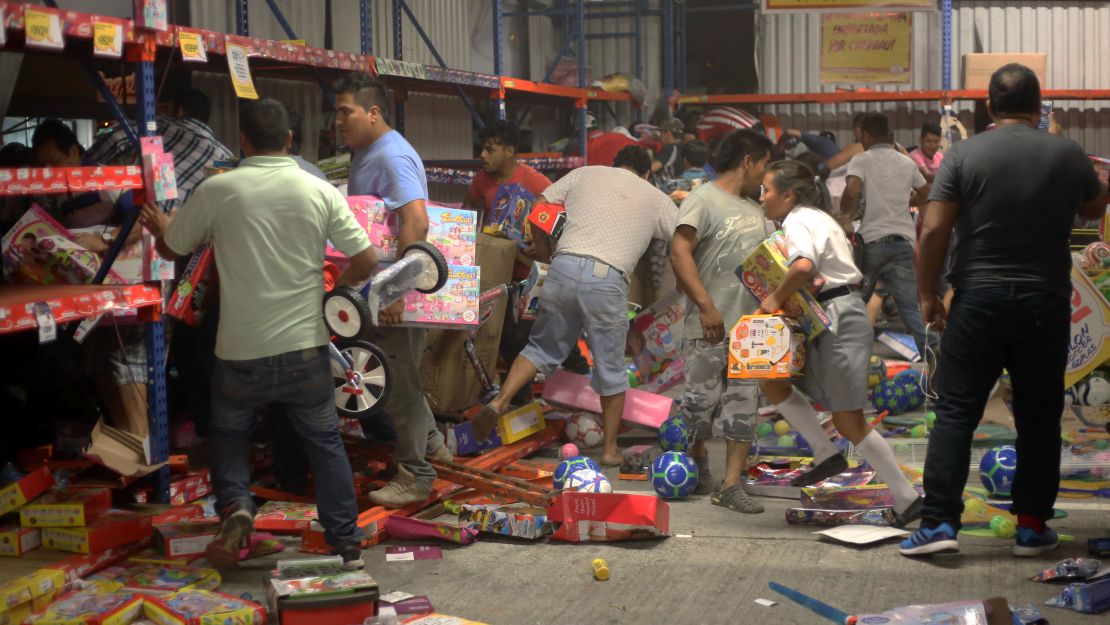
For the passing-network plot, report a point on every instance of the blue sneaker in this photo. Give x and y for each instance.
(927, 542)
(1030, 543)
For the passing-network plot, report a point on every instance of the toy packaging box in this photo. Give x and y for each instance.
(573, 390)
(511, 207)
(190, 487)
(520, 423)
(74, 507)
(202, 607)
(186, 539)
(766, 347)
(762, 272)
(18, 493)
(454, 231)
(39, 250)
(517, 521)
(548, 218)
(460, 440)
(532, 291)
(113, 529)
(436, 618)
(455, 306)
(286, 593)
(160, 578)
(90, 608)
(285, 517)
(158, 175)
(655, 342)
(16, 540)
(79, 565)
(606, 517)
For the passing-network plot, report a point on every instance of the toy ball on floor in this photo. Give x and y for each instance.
(910, 382)
(782, 427)
(930, 419)
(570, 465)
(674, 475)
(891, 396)
(876, 372)
(1003, 527)
(997, 470)
(764, 429)
(919, 431)
(973, 506)
(786, 440)
(584, 430)
(588, 481)
(674, 435)
(569, 450)
(1094, 391)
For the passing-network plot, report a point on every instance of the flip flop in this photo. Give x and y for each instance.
(735, 498)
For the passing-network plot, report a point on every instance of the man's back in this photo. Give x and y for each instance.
(1019, 190)
(612, 215)
(268, 222)
(889, 177)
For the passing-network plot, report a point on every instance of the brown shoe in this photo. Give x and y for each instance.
(441, 454)
(234, 534)
(403, 491)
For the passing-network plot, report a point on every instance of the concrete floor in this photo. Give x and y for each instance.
(713, 573)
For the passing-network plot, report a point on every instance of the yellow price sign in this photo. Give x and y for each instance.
(192, 47)
(240, 71)
(43, 28)
(108, 39)
(866, 48)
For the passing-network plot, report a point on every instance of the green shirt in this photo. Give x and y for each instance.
(729, 229)
(268, 222)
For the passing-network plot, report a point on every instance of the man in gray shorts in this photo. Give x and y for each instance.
(718, 227)
(613, 213)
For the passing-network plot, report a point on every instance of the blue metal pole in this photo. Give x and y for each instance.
(668, 48)
(329, 96)
(946, 45)
(499, 52)
(366, 27)
(439, 59)
(680, 66)
(398, 106)
(242, 25)
(581, 24)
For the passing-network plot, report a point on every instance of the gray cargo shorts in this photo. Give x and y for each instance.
(713, 404)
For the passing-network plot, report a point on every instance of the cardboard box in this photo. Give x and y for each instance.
(455, 306)
(199, 280)
(74, 507)
(548, 218)
(177, 514)
(520, 423)
(28, 487)
(460, 440)
(655, 341)
(285, 517)
(979, 66)
(121, 451)
(511, 207)
(114, 529)
(91, 608)
(30, 587)
(533, 290)
(190, 487)
(765, 268)
(81, 565)
(573, 390)
(201, 607)
(160, 578)
(517, 521)
(14, 593)
(604, 517)
(766, 347)
(452, 230)
(16, 541)
(186, 539)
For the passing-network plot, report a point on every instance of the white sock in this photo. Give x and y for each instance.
(878, 454)
(802, 417)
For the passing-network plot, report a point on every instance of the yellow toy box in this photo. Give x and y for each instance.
(766, 347)
(90, 608)
(765, 269)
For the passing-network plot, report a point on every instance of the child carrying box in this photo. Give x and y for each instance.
(836, 360)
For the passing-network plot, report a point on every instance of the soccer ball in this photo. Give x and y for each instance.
(570, 465)
(674, 435)
(876, 372)
(588, 481)
(584, 430)
(911, 384)
(1095, 391)
(997, 470)
(890, 395)
(674, 475)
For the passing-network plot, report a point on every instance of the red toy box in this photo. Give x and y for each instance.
(27, 488)
(606, 517)
(75, 507)
(111, 530)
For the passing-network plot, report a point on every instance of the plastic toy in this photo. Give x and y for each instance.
(876, 372)
(782, 427)
(763, 429)
(674, 434)
(997, 470)
(570, 465)
(919, 431)
(584, 429)
(569, 450)
(1003, 527)
(587, 481)
(674, 475)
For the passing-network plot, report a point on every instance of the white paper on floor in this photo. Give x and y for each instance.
(861, 534)
(767, 603)
(396, 596)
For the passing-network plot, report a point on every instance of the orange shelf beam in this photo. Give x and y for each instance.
(842, 97)
(529, 86)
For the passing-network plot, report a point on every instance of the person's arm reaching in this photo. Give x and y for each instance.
(158, 223)
(920, 195)
(844, 156)
(849, 201)
(798, 275)
(683, 245)
(413, 227)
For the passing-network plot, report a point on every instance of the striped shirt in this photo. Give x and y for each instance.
(191, 142)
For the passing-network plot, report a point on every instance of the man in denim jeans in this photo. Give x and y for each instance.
(1012, 194)
(613, 213)
(888, 182)
(269, 222)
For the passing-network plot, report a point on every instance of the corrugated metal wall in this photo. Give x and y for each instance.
(1075, 35)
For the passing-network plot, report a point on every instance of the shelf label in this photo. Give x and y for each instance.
(44, 28)
(240, 71)
(48, 330)
(192, 47)
(107, 39)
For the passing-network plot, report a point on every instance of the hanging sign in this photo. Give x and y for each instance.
(240, 71)
(866, 48)
(846, 6)
(1090, 328)
(192, 47)
(107, 39)
(43, 28)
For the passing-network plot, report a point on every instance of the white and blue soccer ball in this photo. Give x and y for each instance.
(674, 475)
(997, 470)
(565, 468)
(588, 481)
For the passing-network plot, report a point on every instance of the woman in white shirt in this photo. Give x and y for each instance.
(837, 359)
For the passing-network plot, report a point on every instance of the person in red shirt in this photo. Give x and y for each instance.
(499, 167)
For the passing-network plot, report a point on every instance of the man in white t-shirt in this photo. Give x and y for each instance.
(889, 183)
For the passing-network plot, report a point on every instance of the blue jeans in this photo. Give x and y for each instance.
(1025, 331)
(891, 261)
(582, 294)
(299, 383)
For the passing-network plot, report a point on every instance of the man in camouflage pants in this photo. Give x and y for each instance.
(719, 225)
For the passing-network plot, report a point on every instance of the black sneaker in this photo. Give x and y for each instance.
(352, 558)
(834, 465)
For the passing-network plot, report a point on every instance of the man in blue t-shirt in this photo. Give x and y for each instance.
(386, 166)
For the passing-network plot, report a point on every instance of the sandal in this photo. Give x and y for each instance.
(735, 498)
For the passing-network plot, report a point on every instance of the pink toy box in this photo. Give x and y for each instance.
(453, 306)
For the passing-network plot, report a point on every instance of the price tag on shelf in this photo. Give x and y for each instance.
(192, 47)
(240, 71)
(48, 330)
(43, 28)
(107, 39)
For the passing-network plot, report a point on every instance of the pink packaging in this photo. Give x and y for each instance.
(405, 528)
(453, 306)
(573, 390)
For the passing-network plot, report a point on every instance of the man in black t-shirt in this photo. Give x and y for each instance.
(1012, 194)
